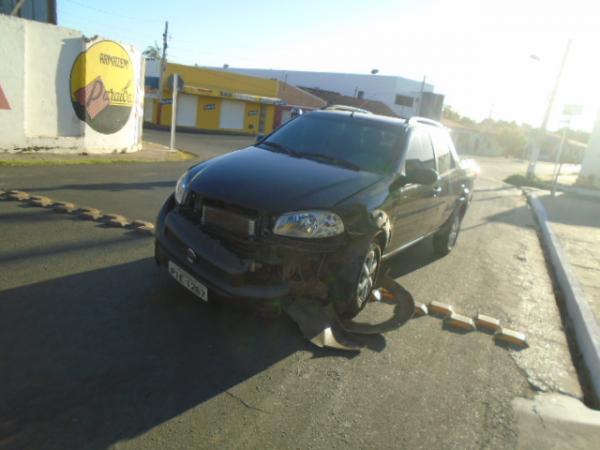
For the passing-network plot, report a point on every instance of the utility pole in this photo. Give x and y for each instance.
(163, 66)
(420, 111)
(17, 8)
(535, 152)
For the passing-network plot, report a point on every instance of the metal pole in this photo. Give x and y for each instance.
(174, 109)
(557, 163)
(535, 152)
(420, 111)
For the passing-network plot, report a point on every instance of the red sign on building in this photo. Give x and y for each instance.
(3, 100)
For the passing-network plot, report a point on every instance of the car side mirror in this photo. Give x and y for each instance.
(421, 176)
(259, 138)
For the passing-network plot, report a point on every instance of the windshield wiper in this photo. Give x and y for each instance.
(330, 159)
(281, 148)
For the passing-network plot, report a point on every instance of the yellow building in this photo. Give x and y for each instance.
(215, 100)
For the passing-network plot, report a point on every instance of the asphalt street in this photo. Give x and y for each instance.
(99, 349)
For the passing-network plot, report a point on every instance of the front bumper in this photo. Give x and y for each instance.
(224, 273)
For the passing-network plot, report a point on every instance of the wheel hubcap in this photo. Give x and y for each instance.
(367, 276)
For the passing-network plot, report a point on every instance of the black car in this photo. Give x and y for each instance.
(313, 209)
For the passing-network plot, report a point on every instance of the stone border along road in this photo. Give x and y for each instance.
(587, 330)
(452, 320)
(110, 220)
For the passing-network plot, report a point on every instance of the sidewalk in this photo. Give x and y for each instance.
(150, 152)
(576, 223)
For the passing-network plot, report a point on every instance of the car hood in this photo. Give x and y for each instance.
(275, 182)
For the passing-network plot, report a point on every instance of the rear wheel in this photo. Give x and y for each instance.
(352, 293)
(445, 239)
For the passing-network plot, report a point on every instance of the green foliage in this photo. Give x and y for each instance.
(152, 51)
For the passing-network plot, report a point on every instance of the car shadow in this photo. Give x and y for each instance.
(411, 259)
(94, 358)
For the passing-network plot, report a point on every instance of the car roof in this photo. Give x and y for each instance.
(415, 121)
(370, 117)
(347, 108)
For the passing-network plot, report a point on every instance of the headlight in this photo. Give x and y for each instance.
(309, 224)
(181, 187)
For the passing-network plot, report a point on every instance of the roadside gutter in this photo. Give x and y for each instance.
(587, 330)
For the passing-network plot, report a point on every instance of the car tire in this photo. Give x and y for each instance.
(357, 279)
(445, 239)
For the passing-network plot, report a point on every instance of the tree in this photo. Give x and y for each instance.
(152, 52)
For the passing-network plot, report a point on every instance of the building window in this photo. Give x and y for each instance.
(404, 100)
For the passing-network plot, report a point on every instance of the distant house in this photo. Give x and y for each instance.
(470, 140)
(405, 97)
(335, 98)
(211, 100)
(294, 97)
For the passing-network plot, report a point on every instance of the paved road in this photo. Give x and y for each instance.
(500, 168)
(99, 350)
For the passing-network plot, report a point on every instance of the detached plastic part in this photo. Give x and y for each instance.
(321, 326)
(142, 223)
(459, 322)
(65, 207)
(40, 200)
(421, 310)
(145, 230)
(18, 195)
(511, 337)
(108, 217)
(486, 323)
(439, 309)
(95, 215)
(118, 222)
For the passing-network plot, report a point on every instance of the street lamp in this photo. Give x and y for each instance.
(535, 151)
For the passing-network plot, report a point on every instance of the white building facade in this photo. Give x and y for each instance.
(404, 96)
(590, 167)
(61, 92)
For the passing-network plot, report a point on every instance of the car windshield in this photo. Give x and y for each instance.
(342, 140)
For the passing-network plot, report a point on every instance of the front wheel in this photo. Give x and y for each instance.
(353, 294)
(445, 239)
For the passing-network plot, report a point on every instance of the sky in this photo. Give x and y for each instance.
(476, 53)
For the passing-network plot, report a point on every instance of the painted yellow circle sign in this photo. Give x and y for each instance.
(103, 86)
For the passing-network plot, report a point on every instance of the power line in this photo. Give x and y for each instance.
(112, 13)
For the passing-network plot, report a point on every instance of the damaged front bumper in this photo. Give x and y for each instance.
(264, 272)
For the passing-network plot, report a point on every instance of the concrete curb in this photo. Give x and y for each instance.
(587, 330)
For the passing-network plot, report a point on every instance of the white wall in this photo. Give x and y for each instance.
(12, 82)
(375, 87)
(37, 85)
(590, 167)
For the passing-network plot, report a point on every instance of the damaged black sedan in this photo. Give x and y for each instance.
(313, 209)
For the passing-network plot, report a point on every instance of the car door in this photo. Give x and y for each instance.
(412, 206)
(444, 192)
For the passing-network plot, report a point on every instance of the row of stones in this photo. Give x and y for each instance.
(480, 322)
(84, 213)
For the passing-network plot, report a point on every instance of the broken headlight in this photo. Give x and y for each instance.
(181, 187)
(309, 224)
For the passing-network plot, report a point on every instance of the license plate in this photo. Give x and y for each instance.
(187, 281)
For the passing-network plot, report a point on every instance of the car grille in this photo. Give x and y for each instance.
(221, 219)
(237, 224)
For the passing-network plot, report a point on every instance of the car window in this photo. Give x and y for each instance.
(420, 152)
(372, 146)
(443, 149)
